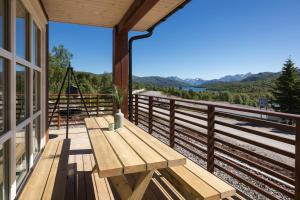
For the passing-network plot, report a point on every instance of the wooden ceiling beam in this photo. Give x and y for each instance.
(135, 13)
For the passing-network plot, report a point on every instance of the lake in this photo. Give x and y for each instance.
(195, 89)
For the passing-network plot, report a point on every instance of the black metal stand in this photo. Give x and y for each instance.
(69, 75)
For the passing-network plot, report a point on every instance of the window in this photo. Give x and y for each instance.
(21, 93)
(21, 31)
(21, 163)
(2, 94)
(2, 23)
(35, 45)
(1, 172)
(36, 90)
(36, 136)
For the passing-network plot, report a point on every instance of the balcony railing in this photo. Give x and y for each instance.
(249, 148)
(97, 105)
(253, 150)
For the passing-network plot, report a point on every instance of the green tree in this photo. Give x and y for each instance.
(61, 57)
(286, 87)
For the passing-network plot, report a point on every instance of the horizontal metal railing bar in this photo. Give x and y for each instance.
(143, 122)
(162, 135)
(143, 113)
(144, 103)
(143, 119)
(161, 129)
(256, 177)
(191, 115)
(191, 108)
(160, 123)
(161, 102)
(257, 121)
(256, 155)
(192, 137)
(191, 144)
(162, 113)
(258, 144)
(85, 94)
(161, 118)
(191, 151)
(166, 109)
(258, 166)
(256, 132)
(233, 107)
(190, 122)
(143, 107)
(191, 129)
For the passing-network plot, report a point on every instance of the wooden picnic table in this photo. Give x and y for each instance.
(128, 150)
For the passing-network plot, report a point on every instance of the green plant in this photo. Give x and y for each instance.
(118, 96)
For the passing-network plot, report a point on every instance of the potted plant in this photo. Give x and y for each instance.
(118, 99)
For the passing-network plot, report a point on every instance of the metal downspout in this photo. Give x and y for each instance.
(131, 40)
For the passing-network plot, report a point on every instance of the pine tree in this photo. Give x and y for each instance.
(286, 88)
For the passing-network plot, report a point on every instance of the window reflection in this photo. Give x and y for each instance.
(36, 90)
(2, 23)
(21, 88)
(1, 172)
(35, 45)
(21, 32)
(35, 133)
(2, 95)
(21, 166)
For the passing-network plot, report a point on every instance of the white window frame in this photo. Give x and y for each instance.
(7, 138)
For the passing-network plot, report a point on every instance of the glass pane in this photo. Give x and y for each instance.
(36, 133)
(1, 173)
(21, 88)
(36, 90)
(2, 95)
(2, 23)
(35, 44)
(21, 166)
(21, 32)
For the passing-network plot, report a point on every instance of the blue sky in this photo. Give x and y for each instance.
(207, 39)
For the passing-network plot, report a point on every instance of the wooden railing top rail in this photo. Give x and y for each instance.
(231, 107)
(84, 94)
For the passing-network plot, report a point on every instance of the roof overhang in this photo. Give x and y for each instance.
(106, 13)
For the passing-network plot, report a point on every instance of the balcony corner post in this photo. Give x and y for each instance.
(150, 114)
(297, 161)
(210, 138)
(172, 122)
(136, 109)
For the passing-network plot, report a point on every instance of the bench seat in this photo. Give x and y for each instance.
(52, 174)
(194, 182)
(49, 175)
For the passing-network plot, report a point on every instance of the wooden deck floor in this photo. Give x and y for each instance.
(83, 184)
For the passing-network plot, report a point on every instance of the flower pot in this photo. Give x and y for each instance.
(119, 118)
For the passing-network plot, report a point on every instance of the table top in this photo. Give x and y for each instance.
(128, 149)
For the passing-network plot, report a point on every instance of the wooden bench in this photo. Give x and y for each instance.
(194, 182)
(49, 176)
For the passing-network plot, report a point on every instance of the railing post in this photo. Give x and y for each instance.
(58, 117)
(97, 105)
(150, 114)
(172, 122)
(136, 109)
(210, 138)
(297, 160)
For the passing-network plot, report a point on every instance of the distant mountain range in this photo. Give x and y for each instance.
(199, 81)
(174, 81)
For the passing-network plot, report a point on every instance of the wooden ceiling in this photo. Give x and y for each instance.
(105, 13)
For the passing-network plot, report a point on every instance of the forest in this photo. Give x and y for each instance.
(282, 90)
